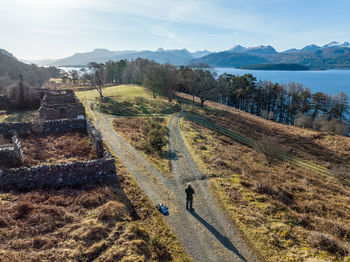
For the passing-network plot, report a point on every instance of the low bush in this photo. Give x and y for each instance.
(112, 212)
(270, 147)
(156, 135)
(22, 210)
(327, 243)
(160, 252)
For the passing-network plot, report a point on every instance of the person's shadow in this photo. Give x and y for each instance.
(174, 155)
(222, 239)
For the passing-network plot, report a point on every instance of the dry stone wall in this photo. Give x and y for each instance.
(8, 129)
(61, 104)
(8, 155)
(95, 137)
(11, 154)
(48, 127)
(56, 126)
(58, 176)
(53, 176)
(17, 147)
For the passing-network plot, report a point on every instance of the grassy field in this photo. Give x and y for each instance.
(121, 90)
(92, 223)
(129, 100)
(18, 116)
(288, 213)
(136, 106)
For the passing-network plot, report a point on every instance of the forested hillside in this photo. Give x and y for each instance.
(11, 69)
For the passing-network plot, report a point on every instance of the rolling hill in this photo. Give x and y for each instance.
(11, 69)
(172, 56)
(231, 59)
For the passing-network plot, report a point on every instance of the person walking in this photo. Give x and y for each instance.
(189, 196)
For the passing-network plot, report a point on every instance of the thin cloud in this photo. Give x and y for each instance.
(192, 24)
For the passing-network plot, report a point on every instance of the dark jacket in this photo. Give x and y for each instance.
(189, 192)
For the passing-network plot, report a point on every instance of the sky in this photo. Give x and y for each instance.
(37, 29)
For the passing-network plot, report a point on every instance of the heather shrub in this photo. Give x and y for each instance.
(156, 135)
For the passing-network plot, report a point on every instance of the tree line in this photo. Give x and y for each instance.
(289, 103)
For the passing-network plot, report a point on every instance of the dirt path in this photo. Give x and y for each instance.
(206, 233)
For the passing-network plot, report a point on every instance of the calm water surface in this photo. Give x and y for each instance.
(329, 81)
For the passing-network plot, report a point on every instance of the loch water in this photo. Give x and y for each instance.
(327, 81)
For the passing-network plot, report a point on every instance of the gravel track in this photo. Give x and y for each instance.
(206, 233)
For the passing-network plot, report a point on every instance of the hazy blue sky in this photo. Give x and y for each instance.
(33, 29)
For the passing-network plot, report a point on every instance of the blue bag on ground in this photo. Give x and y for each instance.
(162, 208)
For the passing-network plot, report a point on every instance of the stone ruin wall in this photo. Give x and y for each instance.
(11, 154)
(8, 130)
(102, 169)
(58, 176)
(47, 127)
(8, 155)
(70, 111)
(60, 105)
(95, 137)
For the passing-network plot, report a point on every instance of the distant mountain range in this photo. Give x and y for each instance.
(176, 57)
(330, 56)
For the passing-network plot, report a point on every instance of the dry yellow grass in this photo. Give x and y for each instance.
(56, 149)
(91, 223)
(325, 149)
(287, 213)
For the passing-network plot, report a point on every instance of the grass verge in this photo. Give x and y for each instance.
(126, 106)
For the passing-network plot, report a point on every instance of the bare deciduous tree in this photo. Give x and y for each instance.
(97, 76)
